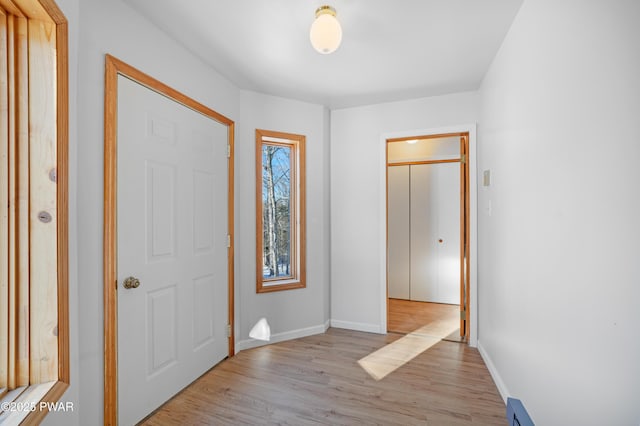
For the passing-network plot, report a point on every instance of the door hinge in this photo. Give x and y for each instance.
(228, 151)
(463, 315)
(463, 158)
(228, 241)
(228, 330)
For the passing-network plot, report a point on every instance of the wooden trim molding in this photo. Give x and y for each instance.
(413, 163)
(297, 278)
(424, 137)
(113, 68)
(464, 290)
(62, 177)
(110, 242)
(467, 236)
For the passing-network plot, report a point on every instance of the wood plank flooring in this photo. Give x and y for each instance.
(316, 380)
(406, 316)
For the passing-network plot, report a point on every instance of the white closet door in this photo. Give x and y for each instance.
(435, 232)
(398, 232)
(448, 200)
(424, 233)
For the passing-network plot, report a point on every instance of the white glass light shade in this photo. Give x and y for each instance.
(326, 32)
(261, 331)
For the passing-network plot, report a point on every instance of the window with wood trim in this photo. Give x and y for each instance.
(280, 211)
(34, 346)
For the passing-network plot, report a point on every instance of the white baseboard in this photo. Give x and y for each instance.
(357, 326)
(502, 388)
(281, 337)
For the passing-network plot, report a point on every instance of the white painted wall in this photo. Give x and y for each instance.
(291, 313)
(558, 277)
(424, 150)
(113, 27)
(356, 171)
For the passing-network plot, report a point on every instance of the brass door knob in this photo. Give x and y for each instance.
(131, 282)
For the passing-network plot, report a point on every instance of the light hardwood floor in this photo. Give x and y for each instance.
(316, 380)
(406, 316)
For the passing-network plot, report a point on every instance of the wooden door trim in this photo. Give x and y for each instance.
(424, 137)
(465, 230)
(113, 68)
(465, 270)
(417, 163)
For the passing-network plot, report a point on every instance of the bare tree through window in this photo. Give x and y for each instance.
(280, 210)
(276, 191)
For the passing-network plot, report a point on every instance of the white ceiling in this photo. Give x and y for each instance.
(391, 49)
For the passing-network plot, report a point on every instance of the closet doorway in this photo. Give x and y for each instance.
(428, 235)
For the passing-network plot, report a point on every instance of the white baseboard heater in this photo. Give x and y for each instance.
(516, 413)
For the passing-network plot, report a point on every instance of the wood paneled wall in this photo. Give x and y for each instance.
(33, 195)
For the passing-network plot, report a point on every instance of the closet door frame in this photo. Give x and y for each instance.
(468, 220)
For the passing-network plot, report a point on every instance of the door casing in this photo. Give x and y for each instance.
(469, 129)
(113, 68)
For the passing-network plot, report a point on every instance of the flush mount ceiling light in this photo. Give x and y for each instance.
(325, 33)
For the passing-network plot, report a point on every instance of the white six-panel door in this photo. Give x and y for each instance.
(172, 236)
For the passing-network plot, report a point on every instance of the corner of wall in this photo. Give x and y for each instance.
(327, 211)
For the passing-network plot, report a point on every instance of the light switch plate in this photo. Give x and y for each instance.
(486, 178)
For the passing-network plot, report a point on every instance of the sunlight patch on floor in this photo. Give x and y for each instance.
(389, 358)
